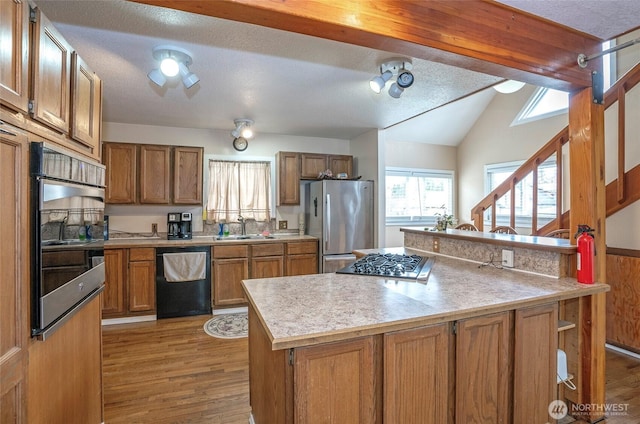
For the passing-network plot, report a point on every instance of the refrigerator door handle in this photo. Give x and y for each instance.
(327, 232)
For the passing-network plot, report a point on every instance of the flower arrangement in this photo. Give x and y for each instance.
(443, 219)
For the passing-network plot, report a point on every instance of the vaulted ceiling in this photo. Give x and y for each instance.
(288, 83)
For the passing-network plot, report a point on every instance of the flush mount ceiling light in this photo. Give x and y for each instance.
(173, 61)
(508, 86)
(394, 67)
(241, 134)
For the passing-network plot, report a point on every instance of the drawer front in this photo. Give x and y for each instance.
(64, 258)
(142, 254)
(235, 251)
(268, 249)
(298, 248)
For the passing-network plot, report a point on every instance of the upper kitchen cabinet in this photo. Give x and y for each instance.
(153, 174)
(120, 160)
(51, 75)
(288, 178)
(312, 164)
(14, 55)
(187, 181)
(86, 107)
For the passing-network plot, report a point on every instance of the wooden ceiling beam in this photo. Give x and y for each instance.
(478, 35)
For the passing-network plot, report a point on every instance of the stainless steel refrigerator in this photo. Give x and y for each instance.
(340, 214)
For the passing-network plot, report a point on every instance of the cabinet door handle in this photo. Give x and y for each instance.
(327, 217)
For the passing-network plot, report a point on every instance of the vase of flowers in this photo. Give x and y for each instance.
(443, 219)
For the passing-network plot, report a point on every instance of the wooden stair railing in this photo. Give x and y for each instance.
(619, 193)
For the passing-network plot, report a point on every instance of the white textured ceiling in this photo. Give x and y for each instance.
(287, 83)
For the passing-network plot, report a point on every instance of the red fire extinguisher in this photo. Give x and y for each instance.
(586, 253)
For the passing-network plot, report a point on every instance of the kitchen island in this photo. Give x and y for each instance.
(475, 343)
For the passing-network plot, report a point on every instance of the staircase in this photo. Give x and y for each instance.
(621, 192)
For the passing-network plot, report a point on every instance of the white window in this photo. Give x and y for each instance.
(495, 174)
(414, 196)
(239, 188)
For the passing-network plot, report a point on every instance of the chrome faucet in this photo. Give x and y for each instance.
(63, 224)
(243, 225)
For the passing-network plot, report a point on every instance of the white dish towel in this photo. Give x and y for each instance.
(179, 267)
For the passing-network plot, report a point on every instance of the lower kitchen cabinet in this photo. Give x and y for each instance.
(337, 382)
(496, 368)
(142, 280)
(267, 260)
(417, 367)
(230, 267)
(302, 258)
(130, 283)
(483, 377)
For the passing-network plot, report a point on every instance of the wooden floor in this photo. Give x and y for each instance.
(170, 371)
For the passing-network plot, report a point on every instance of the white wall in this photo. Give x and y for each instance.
(493, 140)
(217, 144)
(415, 155)
(365, 150)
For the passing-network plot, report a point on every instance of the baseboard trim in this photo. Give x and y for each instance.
(621, 350)
(129, 320)
(230, 310)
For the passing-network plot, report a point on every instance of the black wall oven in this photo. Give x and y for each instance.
(67, 198)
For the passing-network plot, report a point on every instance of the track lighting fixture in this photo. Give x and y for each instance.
(399, 67)
(173, 61)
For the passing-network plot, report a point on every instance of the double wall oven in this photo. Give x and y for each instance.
(67, 198)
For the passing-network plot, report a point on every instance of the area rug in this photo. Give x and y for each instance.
(228, 326)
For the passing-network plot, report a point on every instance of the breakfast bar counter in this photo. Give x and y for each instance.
(312, 309)
(472, 343)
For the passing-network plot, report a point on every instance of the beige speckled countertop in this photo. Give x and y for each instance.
(197, 240)
(312, 309)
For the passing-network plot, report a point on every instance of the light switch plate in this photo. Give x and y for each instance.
(507, 258)
(282, 225)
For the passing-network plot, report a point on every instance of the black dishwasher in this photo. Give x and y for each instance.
(182, 298)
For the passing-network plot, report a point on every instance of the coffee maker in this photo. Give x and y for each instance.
(179, 226)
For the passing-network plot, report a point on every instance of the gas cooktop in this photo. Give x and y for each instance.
(391, 265)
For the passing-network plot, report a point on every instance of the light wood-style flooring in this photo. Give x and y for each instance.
(170, 371)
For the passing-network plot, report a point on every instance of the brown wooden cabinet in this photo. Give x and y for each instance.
(121, 178)
(338, 382)
(14, 60)
(267, 260)
(153, 174)
(534, 363)
(230, 267)
(312, 164)
(302, 258)
(51, 75)
(86, 105)
(483, 377)
(417, 372)
(187, 175)
(113, 301)
(294, 166)
(130, 280)
(142, 280)
(15, 274)
(288, 178)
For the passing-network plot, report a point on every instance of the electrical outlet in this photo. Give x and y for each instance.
(507, 258)
(154, 228)
(282, 225)
(436, 244)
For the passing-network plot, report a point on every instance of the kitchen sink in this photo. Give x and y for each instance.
(68, 242)
(243, 237)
